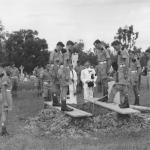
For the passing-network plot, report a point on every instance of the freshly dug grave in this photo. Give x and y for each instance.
(52, 121)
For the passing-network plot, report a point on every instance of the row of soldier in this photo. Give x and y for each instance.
(61, 78)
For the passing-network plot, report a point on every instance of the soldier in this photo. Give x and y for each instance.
(102, 69)
(57, 54)
(121, 84)
(88, 78)
(56, 84)
(68, 54)
(147, 69)
(64, 79)
(78, 69)
(6, 104)
(134, 71)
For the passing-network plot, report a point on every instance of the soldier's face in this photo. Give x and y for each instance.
(69, 47)
(117, 47)
(58, 47)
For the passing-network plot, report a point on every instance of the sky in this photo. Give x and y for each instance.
(62, 20)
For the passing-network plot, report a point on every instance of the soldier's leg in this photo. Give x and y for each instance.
(136, 94)
(114, 90)
(124, 97)
(64, 90)
(85, 91)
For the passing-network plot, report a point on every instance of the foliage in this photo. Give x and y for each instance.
(25, 48)
(127, 36)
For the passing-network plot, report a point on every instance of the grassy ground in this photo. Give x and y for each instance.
(27, 104)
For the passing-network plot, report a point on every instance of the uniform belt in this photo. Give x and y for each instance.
(102, 62)
(134, 71)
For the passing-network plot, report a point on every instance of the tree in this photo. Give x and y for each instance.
(25, 48)
(127, 36)
(2, 42)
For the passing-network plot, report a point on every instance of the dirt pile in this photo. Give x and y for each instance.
(51, 121)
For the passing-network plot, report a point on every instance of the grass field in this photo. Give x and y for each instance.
(27, 104)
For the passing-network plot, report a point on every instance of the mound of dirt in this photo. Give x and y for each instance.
(51, 121)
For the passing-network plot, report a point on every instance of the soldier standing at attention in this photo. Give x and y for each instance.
(78, 69)
(64, 79)
(56, 84)
(134, 71)
(122, 83)
(102, 69)
(57, 54)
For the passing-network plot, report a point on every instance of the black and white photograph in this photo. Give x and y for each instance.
(74, 74)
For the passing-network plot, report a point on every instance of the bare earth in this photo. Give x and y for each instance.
(27, 104)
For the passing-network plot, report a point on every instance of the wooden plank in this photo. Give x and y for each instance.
(76, 113)
(140, 108)
(113, 107)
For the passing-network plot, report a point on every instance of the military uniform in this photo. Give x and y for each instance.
(64, 79)
(134, 71)
(88, 78)
(122, 84)
(55, 56)
(102, 68)
(78, 70)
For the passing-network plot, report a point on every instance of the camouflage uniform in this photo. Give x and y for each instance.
(134, 71)
(102, 68)
(122, 84)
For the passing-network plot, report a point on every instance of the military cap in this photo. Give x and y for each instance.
(70, 43)
(97, 42)
(116, 42)
(60, 44)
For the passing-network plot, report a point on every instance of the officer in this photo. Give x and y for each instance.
(57, 54)
(122, 83)
(64, 79)
(88, 78)
(134, 71)
(103, 59)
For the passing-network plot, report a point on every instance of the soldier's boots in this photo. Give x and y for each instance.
(137, 99)
(125, 104)
(104, 99)
(105, 96)
(55, 100)
(4, 131)
(64, 107)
